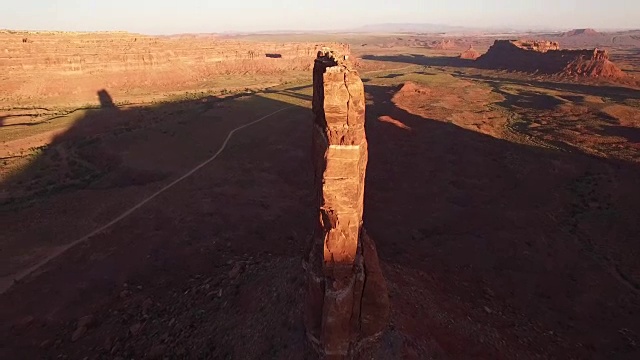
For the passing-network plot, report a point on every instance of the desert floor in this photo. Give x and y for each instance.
(504, 206)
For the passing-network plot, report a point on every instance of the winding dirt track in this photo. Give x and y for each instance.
(7, 282)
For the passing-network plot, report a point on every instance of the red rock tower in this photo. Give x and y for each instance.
(347, 303)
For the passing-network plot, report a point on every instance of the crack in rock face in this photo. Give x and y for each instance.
(347, 303)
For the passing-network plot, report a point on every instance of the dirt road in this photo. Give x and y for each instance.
(490, 248)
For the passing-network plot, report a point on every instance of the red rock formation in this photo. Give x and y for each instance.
(60, 66)
(545, 57)
(470, 54)
(536, 45)
(598, 65)
(443, 44)
(347, 302)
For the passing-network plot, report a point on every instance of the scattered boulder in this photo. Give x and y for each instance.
(235, 271)
(78, 333)
(24, 323)
(136, 328)
(86, 321)
(146, 305)
(82, 326)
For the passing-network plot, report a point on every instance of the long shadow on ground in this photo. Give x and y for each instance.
(618, 93)
(615, 93)
(492, 249)
(418, 59)
(506, 235)
(193, 273)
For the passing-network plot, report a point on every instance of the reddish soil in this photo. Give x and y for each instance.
(461, 103)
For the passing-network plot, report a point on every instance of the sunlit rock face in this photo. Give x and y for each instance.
(48, 67)
(347, 302)
(545, 57)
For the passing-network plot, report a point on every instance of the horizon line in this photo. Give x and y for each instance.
(358, 30)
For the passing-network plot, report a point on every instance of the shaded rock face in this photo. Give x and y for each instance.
(347, 302)
(545, 57)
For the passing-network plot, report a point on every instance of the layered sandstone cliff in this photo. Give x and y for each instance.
(443, 44)
(347, 302)
(545, 57)
(42, 65)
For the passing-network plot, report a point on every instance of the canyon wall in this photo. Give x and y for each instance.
(38, 66)
(347, 302)
(545, 57)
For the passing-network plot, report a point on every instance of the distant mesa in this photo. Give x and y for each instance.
(540, 46)
(470, 54)
(580, 32)
(443, 45)
(545, 57)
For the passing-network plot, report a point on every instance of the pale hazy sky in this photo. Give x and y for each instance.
(164, 17)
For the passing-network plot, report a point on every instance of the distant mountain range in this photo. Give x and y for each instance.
(581, 32)
(428, 28)
(443, 28)
(423, 28)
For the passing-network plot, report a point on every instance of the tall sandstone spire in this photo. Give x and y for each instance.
(347, 302)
